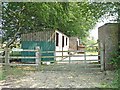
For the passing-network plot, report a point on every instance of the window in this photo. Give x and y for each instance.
(57, 39)
(66, 41)
(62, 41)
(77, 45)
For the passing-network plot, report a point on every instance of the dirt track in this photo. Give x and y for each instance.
(60, 76)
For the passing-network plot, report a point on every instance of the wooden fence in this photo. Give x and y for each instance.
(70, 60)
(39, 55)
(74, 54)
(7, 57)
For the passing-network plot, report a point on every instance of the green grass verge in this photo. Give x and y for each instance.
(12, 72)
(1, 78)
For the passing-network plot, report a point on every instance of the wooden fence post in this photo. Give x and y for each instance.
(38, 57)
(6, 61)
(62, 52)
(102, 56)
(85, 59)
(69, 57)
(6, 56)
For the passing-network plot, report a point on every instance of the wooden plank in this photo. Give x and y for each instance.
(42, 51)
(6, 60)
(23, 64)
(6, 56)
(52, 56)
(85, 60)
(70, 61)
(77, 55)
(24, 50)
(102, 57)
(12, 64)
(38, 57)
(93, 60)
(92, 55)
(15, 57)
(93, 68)
(52, 51)
(29, 50)
(59, 51)
(81, 55)
(62, 56)
(91, 64)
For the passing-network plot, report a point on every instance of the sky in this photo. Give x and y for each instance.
(102, 21)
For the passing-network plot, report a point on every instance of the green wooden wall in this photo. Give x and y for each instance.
(44, 46)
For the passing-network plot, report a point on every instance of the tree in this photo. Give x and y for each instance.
(72, 18)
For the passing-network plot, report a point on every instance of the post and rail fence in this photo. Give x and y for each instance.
(7, 57)
(39, 55)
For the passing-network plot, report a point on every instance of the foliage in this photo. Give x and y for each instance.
(115, 60)
(117, 10)
(72, 18)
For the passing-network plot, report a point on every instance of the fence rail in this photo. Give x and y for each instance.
(15, 64)
(38, 56)
(7, 57)
(23, 57)
(62, 51)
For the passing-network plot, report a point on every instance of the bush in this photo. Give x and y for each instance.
(115, 60)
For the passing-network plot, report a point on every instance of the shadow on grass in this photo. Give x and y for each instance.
(15, 72)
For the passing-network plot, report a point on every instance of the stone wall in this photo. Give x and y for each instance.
(108, 36)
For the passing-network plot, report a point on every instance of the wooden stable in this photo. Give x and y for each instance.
(81, 47)
(75, 44)
(47, 40)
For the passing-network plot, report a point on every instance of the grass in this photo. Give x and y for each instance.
(1, 74)
(111, 81)
(14, 72)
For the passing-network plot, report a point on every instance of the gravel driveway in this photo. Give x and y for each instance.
(59, 76)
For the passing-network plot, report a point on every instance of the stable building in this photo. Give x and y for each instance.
(47, 40)
(74, 43)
